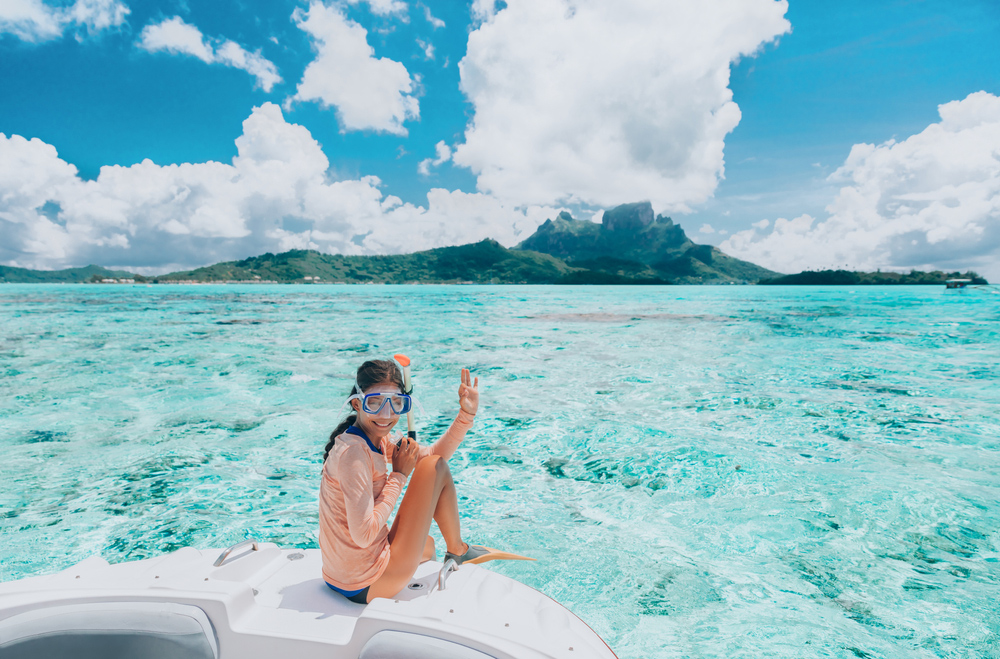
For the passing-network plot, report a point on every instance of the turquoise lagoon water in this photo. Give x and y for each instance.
(703, 471)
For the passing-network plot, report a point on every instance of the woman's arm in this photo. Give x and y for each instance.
(366, 516)
(448, 442)
(468, 401)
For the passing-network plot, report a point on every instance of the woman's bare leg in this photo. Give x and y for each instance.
(446, 516)
(430, 495)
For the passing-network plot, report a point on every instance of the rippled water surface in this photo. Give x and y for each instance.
(703, 471)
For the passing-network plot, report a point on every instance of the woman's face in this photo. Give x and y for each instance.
(377, 426)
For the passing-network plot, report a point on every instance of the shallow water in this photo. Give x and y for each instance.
(704, 471)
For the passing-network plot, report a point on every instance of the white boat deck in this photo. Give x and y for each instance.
(273, 602)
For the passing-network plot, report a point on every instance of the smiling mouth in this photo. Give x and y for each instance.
(382, 425)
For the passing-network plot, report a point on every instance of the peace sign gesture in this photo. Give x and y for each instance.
(468, 393)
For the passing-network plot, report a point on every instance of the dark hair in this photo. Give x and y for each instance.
(369, 374)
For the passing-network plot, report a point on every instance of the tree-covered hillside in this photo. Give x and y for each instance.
(851, 278)
(11, 275)
(484, 262)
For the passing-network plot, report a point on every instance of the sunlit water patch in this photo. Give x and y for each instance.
(703, 471)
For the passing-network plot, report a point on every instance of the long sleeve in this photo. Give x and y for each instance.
(445, 446)
(366, 516)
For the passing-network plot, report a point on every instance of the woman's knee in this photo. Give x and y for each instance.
(435, 463)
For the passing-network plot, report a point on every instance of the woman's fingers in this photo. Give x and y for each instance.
(467, 379)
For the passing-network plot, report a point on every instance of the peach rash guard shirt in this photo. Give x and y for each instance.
(356, 496)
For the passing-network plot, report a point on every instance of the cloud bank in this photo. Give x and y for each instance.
(368, 93)
(929, 201)
(600, 103)
(179, 38)
(34, 20)
(275, 195)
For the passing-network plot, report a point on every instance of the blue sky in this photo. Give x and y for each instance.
(103, 101)
(851, 72)
(522, 125)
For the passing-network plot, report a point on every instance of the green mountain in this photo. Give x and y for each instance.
(489, 262)
(631, 242)
(484, 262)
(9, 275)
(850, 278)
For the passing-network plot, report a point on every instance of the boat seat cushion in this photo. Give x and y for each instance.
(110, 630)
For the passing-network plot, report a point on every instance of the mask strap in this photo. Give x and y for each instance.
(354, 396)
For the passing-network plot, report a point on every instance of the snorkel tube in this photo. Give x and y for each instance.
(404, 361)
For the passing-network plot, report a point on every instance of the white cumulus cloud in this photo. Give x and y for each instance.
(443, 155)
(382, 7)
(483, 10)
(428, 49)
(435, 22)
(368, 93)
(277, 194)
(175, 36)
(34, 20)
(97, 15)
(929, 201)
(593, 102)
(453, 217)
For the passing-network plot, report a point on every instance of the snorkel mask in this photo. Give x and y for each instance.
(374, 403)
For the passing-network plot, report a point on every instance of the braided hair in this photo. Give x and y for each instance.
(369, 374)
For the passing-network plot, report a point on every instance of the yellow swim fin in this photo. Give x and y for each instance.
(480, 554)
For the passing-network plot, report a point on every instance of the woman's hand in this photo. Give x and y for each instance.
(404, 458)
(468, 393)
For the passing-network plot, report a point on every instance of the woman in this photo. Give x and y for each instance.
(362, 557)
